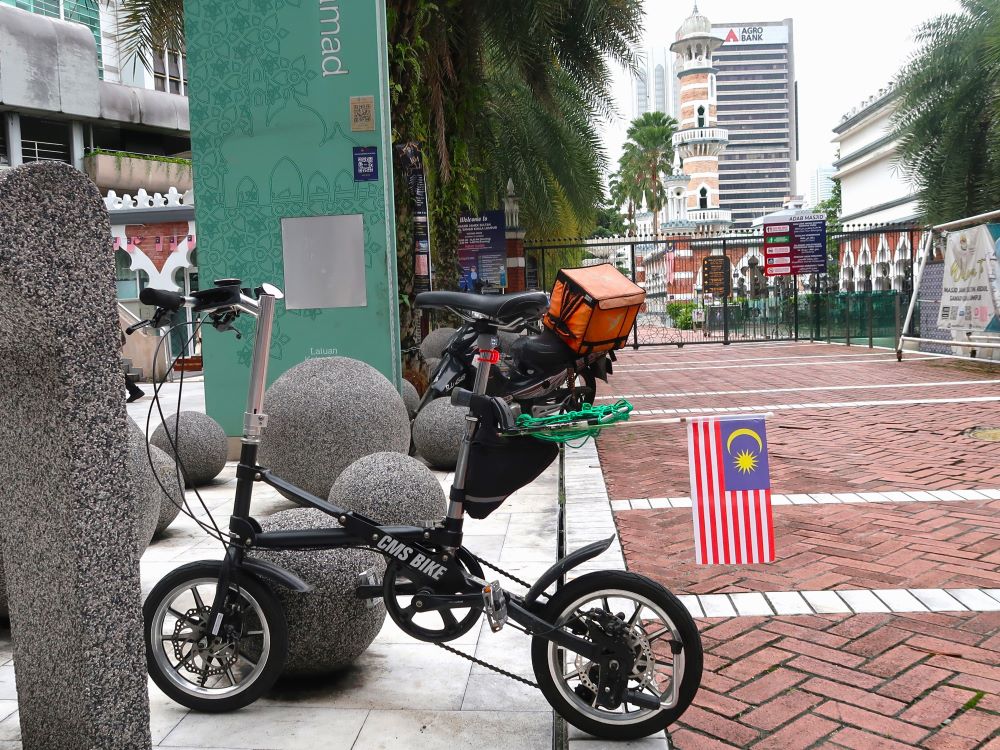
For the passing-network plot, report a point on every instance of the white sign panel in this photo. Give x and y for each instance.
(732, 35)
(969, 293)
(324, 261)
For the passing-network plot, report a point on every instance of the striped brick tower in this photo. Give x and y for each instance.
(699, 141)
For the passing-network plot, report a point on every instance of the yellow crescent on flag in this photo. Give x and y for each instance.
(743, 431)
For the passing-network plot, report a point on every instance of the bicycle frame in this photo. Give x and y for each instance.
(429, 553)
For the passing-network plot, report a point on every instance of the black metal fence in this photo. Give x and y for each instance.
(862, 301)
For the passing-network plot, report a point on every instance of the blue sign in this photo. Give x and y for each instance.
(365, 163)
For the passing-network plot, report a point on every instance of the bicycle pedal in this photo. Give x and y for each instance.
(495, 606)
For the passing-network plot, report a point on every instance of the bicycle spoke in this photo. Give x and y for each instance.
(182, 616)
(231, 676)
(197, 598)
(635, 615)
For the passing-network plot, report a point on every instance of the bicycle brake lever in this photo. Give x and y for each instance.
(133, 328)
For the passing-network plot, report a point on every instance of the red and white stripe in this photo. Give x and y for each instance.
(730, 527)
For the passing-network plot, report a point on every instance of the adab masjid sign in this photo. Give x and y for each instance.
(291, 139)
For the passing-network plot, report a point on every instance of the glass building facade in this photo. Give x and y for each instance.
(755, 86)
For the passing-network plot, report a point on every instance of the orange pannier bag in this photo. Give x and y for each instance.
(593, 308)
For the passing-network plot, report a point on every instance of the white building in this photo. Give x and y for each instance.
(653, 85)
(873, 189)
(821, 185)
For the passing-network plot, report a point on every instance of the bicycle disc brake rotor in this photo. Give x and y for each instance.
(217, 655)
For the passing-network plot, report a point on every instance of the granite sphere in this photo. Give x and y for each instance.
(391, 488)
(434, 342)
(411, 398)
(432, 365)
(437, 433)
(170, 503)
(201, 445)
(150, 496)
(324, 414)
(328, 627)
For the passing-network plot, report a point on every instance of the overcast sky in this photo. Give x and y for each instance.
(844, 52)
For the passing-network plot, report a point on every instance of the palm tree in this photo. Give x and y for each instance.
(947, 116)
(648, 154)
(625, 185)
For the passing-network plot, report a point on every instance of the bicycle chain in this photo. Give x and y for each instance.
(478, 661)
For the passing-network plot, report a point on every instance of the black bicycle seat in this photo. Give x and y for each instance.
(544, 353)
(500, 307)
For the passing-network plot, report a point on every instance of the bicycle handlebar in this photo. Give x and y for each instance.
(161, 298)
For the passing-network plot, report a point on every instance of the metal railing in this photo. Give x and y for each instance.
(44, 151)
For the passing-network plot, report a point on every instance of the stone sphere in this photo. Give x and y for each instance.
(325, 414)
(328, 627)
(437, 433)
(201, 443)
(391, 488)
(411, 398)
(150, 496)
(434, 342)
(170, 504)
(432, 365)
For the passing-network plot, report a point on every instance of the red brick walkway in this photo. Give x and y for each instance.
(865, 682)
(872, 546)
(828, 450)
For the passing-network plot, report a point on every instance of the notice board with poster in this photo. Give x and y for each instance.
(290, 130)
(412, 162)
(970, 295)
(482, 250)
(795, 244)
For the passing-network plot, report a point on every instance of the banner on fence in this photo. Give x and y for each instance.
(730, 491)
(970, 296)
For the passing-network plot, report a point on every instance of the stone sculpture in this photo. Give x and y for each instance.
(324, 414)
(68, 497)
(328, 627)
(391, 488)
(201, 445)
(437, 433)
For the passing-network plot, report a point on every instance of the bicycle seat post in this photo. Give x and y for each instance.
(486, 344)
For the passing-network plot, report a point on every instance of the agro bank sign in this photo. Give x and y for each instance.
(970, 297)
(290, 133)
(752, 34)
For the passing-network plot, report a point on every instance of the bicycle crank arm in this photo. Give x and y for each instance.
(435, 602)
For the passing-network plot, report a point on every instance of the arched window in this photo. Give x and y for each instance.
(703, 198)
(701, 117)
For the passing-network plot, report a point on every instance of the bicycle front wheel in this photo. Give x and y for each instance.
(213, 673)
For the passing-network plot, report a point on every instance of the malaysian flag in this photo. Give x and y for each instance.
(730, 491)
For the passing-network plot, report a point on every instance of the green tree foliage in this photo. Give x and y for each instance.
(947, 118)
(610, 222)
(646, 156)
(832, 207)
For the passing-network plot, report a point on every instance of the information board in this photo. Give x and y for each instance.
(482, 249)
(715, 275)
(289, 123)
(795, 244)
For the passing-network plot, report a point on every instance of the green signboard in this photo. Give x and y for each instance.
(291, 138)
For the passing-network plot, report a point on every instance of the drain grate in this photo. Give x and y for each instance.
(989, 434)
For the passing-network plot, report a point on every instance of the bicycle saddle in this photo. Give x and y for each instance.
(544, 353)
(501, 307)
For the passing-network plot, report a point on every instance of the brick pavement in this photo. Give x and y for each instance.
(828, 450)
(926, 680)
(865, 682)
(878, 546)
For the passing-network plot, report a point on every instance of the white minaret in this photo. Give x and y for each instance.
(699, 142)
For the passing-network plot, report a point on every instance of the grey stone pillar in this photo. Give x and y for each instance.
(12, 123)
(68, 510)
(76, 144)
